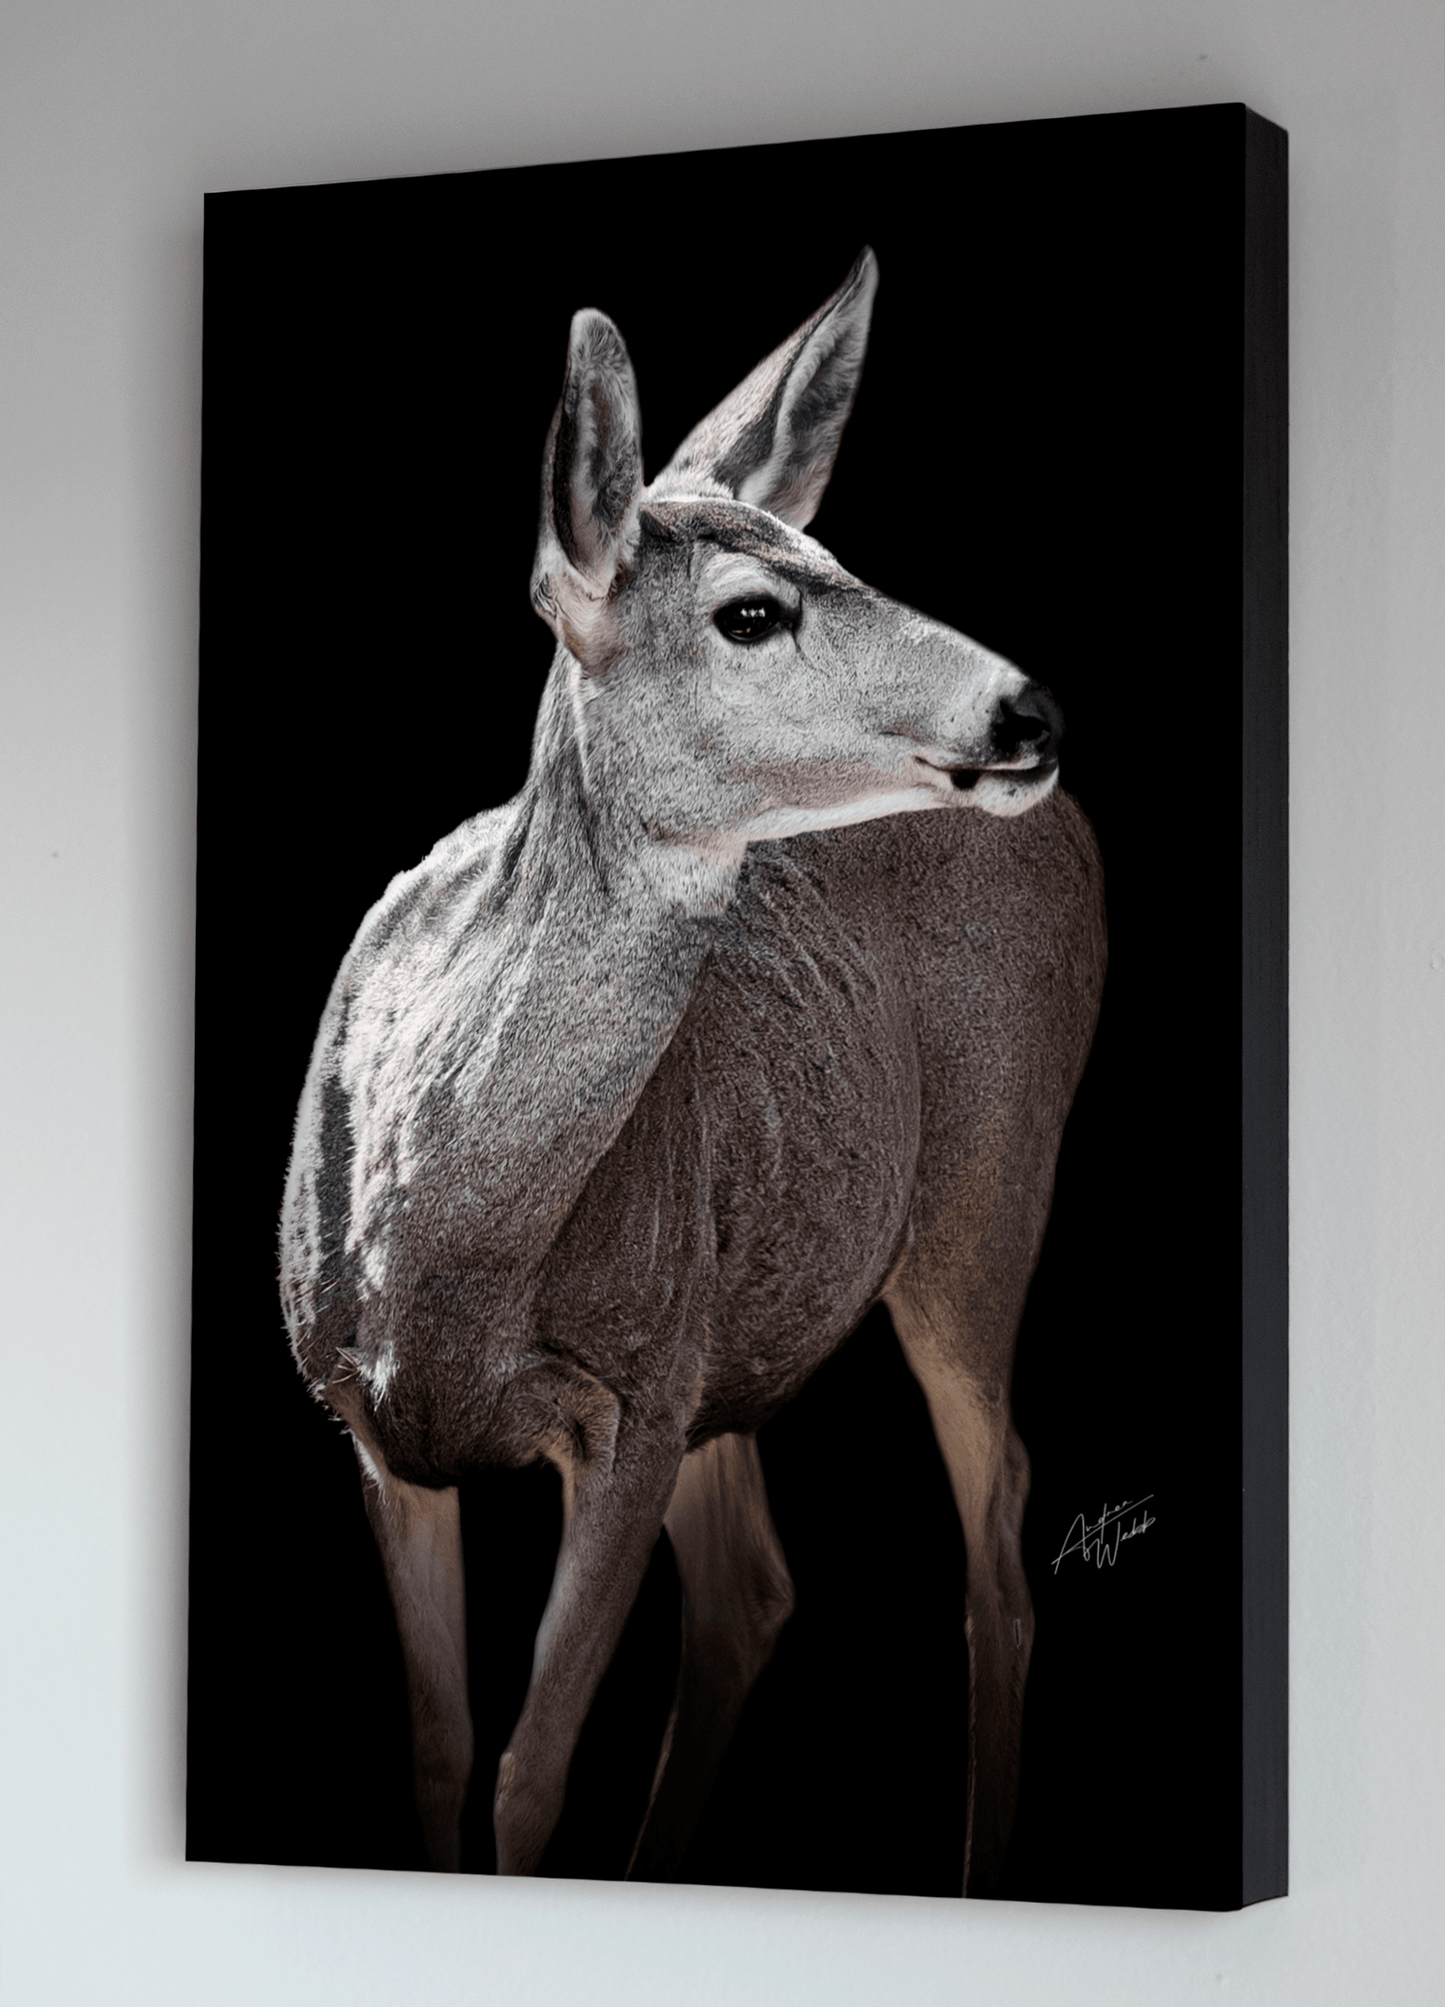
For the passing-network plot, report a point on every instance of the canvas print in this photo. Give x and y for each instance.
(760, 1239)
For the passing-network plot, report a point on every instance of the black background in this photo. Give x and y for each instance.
(1046, 453)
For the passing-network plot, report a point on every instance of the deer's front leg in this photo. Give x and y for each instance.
(419, 1534)
(736, 1596)
(614, 1502)
(418, 1531)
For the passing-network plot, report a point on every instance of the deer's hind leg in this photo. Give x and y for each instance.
(736, 1596)
(957, 1324)
(419, 1534)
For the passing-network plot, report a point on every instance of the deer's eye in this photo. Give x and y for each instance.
(749, 619)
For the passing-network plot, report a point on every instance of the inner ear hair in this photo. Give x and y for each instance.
(597, 451)
(814, 403)
(591, 489)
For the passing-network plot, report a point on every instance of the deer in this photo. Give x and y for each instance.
(765, 1000)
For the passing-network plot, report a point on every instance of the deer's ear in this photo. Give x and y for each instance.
(591, 483)
(774, 440)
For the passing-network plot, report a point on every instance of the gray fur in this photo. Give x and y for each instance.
(624, 1110)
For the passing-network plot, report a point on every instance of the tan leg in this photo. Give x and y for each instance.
(613, 1515)
(988, 1469)
(736, 1597)
(420, 1537)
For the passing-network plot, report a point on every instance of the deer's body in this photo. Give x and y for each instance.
(630, 1100)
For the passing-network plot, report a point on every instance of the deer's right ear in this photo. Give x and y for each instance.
(591, 481)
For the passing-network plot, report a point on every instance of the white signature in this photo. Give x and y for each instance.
(1102, 1538)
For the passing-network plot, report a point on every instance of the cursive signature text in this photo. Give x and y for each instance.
(1101, 1538)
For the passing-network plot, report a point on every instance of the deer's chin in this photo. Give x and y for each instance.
(1014, 790)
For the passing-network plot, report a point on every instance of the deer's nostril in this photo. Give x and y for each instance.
(1028, 722)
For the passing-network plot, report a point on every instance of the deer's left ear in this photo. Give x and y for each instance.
(591, 483)
(774, 440)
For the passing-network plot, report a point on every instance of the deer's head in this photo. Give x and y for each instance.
(729, 679)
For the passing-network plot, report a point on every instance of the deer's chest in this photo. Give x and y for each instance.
(760, 1191)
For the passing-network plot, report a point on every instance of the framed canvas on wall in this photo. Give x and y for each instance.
(648, 1107)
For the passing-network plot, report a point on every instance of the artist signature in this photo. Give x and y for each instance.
(1101, 1538)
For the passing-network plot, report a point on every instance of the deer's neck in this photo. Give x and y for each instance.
(599, 935)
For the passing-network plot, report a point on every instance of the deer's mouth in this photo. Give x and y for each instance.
(964, 779)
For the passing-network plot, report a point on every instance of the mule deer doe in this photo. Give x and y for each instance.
(631, 1099)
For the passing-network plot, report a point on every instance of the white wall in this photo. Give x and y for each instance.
(113, 120)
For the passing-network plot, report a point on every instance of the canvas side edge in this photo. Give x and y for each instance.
(1265, 1111)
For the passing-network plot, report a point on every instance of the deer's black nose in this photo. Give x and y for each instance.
(1028, 725)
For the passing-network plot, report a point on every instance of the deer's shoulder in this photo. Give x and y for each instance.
(409, 949)
(425, 910)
